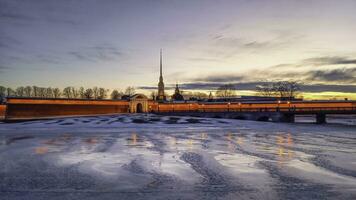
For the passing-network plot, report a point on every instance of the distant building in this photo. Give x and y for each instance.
(210, 96)
(160, 95)
(177, 96)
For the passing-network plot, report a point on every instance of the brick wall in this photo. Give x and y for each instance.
(2, 111)
(36, 108)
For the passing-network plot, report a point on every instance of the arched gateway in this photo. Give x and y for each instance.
(138, 103)
(139, 108)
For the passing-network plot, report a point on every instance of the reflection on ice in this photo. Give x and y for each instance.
(313, 173)
(41, 150)
(266, 159)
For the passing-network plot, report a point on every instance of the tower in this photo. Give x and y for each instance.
(160, 95)
(177, 96)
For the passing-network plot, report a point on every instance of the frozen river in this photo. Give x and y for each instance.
(154, 157)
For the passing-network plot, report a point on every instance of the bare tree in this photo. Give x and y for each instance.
(35, 92)
(28, 91)
(89, 94)
(67, 92)
(42, 92)
(20, 91)
(49, 92)
(115, 94)
(2, 93)
(56, 93)
(293, 89)
(265, 90)
(75, 93)
(95, 92)
(282, 89)
(82, 92)
(130, 91)
(103, 93)
(10, 92)
(226, 91)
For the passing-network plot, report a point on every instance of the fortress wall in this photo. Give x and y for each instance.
(2, 111)
(19, 108)
(255, 106)
(33, 108)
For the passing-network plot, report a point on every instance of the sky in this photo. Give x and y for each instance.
(115, 44)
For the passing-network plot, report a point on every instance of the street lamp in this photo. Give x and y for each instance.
(228, 107)
(279, 102)
(240, 106)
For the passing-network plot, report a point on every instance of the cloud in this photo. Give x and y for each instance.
(343, 74)
(3, 68)
(319, 61)
(220, 78)
(11, 11)
(214, 86)
(235, 44)
(14, 17)
(25, 12)
(154, 87)
(335, 60)
(204, 59)
(252, 86)
(71, 22)
(328, 88)
(97, 53)
(8, 42)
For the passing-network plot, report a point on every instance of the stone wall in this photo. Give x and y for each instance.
(35, 108)
(22, 108)
(2, 111)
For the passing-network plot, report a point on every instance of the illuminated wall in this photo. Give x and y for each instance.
(2, 111)
(250, 107)
(39, 108)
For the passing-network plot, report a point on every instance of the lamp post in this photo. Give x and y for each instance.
(240, 106)
(228, 107)
(190, 106)
(279, 102)
(288, 102)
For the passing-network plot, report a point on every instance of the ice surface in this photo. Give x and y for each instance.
(161, 157)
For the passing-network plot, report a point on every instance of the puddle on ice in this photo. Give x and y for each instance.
(311, 172)
(239, 162)
(41, 150)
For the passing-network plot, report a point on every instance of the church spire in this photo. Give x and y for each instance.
(160, 96)
(160, 63)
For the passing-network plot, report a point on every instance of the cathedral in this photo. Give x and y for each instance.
(160, 95)
(177, 95)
